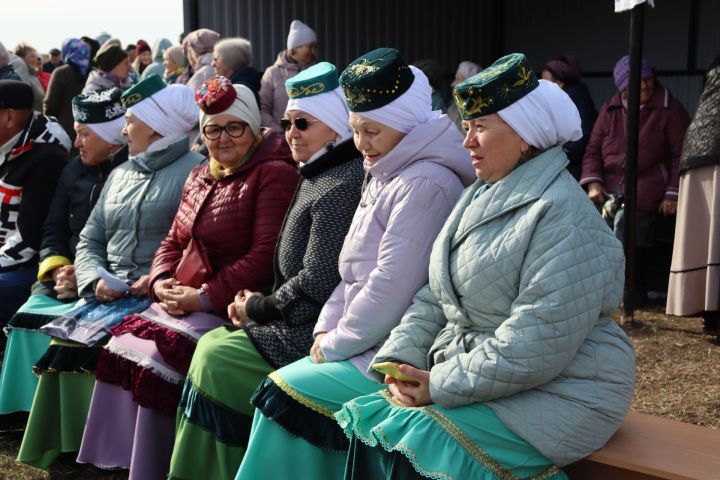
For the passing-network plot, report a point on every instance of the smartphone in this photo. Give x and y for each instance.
(393, 369)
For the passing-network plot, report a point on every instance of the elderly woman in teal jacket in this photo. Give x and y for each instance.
(508, 363)
(114, 254)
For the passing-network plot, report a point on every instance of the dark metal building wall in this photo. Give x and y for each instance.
(681, 37)
(449, 32)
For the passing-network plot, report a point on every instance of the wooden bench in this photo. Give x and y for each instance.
(648, 448)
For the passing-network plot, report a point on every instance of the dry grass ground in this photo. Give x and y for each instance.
(677, 368)
(677, 378)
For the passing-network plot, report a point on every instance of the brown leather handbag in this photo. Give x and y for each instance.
(194, 266)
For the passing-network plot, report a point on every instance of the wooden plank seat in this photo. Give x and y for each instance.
(648, 447)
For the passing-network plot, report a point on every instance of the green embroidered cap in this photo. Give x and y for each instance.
(320, 78)
(99, 106)
(501, 84)
(145, 89)
(375, 79)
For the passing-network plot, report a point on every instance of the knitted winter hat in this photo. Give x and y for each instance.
(300, 34)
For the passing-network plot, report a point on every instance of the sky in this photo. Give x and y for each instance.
(44, 24)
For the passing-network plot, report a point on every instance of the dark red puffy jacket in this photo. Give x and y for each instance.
(237, 218)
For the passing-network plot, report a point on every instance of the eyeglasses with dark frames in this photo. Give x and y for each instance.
(233, 129)
(301, 123)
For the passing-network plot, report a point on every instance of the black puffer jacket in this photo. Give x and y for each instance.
(306, 256)
(77, 191)
(28, 175)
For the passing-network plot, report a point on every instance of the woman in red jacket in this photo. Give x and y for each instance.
(221, 241)
(663, 122)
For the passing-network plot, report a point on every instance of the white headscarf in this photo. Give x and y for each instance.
(544, 117)
(329, 108)
(244, 107)
(110, 131)
(412, 108)
(171, 112)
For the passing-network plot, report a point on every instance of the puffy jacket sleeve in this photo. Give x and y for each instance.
(592, 166)
(678, 121)
(267, 99)
(308, 290)
(92, 247)
(170, 250)
(419, 209)
(55, 246)
(254, 270)
(411, 341)
(562, 288)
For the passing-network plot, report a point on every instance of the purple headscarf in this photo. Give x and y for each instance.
(76, 52)
(567, 68)
(621, 72)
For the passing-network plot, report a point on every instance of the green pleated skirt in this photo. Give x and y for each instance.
(58, 415)
(214, 416)
(467, 442)
(25, 345)
(316, 392)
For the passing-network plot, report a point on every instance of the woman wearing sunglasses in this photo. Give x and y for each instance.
(416, 169)
(276, 330)
(221, 241)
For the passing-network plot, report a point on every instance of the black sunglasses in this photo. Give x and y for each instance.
(300, 123)
(233, 129)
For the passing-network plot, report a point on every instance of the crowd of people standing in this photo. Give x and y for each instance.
(207, 271)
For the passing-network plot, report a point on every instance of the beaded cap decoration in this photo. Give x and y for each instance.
(501, 84)
(98, 106)
(375, 79)
(215, 95)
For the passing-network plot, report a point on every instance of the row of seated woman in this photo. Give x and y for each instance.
(360, 298)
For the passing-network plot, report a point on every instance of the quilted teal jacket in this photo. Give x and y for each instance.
(133, 214)
(516, 314)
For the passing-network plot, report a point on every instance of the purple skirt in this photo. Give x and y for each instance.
(140, 373)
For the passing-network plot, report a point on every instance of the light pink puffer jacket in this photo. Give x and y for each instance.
(385, 257)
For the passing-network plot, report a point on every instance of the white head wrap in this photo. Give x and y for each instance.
(329, 108)
(171, 112)
(410, 109)
(244, 107)
(110, 131)
(300, 34)
(544, 117)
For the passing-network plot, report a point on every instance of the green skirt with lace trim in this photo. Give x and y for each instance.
(446, 443)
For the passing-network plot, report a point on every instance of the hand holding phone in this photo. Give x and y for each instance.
(393, 369)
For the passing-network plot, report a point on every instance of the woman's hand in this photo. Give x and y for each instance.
(408, 394)
(65, 282)
(180, 300)
(668, 207)
(161, 287)
(237, 311)
(103, 293)
(316, 351)
(596, 192)
(140, 287)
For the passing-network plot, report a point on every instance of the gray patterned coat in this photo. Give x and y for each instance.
(306, 256)
(517, 312)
